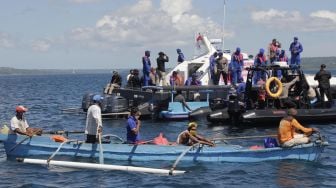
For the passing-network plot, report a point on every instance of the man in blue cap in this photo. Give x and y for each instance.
(94, 124)
(146, 68)
(236, 66)
(295, 49)
(180, 57)
(260, 60)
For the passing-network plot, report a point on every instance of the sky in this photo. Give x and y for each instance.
(113, 34)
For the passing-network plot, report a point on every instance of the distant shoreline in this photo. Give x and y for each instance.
(308, 64)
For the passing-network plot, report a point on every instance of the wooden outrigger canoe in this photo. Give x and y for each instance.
(44, 146)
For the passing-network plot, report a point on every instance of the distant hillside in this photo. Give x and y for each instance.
(13, 71)
(308, 63)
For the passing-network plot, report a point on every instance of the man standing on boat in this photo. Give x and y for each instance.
(272, 50)
(146, 66)
(133, 126)
(260, 61)
(161, 70)
(295, 49)
(180, 57)
(94, 124)
(287, 135)
(323, 78)
(222, 68)
(19, 123)
(212, 65)
(190, 137)
(236, 66)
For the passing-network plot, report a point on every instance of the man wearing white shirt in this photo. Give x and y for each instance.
(19, 123)
(94, 120)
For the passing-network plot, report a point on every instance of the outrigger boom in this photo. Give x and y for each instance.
(100, 166)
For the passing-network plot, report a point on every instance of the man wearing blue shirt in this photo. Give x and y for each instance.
(295, 49)
(146, 68)
(133, 126)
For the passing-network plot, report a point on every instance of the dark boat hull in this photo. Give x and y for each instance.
(273, 116)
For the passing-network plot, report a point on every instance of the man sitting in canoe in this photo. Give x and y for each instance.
(190, 137)
(287, 134)
(19, 124)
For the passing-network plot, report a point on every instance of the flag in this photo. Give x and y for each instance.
(199, 40)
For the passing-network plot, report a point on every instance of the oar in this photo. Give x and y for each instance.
(244, 137)
(16, 145)
(180, 157)
(101, 154)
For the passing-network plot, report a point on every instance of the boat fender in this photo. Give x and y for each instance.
(268, 87)
(58, 138)
(270, 142)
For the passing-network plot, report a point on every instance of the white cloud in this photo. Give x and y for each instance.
(84, 1)
(295, 21)
(6, 41)
(273, 16)
(41, 45)
(141, 24)
(324, 14)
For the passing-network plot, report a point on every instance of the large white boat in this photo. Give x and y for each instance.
(200, 63)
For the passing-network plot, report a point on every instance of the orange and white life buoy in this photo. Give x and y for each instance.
(268, 87)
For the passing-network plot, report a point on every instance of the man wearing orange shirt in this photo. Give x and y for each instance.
(287, 134)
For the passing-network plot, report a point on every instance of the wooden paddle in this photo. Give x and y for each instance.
(101, 152)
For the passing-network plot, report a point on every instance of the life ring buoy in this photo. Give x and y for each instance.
(268, 89)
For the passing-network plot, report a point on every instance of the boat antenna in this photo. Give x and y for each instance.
(224, 12)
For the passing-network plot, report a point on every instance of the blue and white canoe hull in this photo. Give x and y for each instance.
(43, 147)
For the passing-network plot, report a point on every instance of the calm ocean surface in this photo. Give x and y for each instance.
(47, 95)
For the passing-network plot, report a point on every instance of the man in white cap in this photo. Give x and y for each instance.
(19, 123)
(94, 124)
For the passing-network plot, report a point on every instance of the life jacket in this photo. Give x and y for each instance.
(273, 49)
(283, 58)
(238, 57)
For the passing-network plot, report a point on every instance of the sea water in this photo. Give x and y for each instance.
(47, 96)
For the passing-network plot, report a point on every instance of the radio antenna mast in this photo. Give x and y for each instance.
(224, 12)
